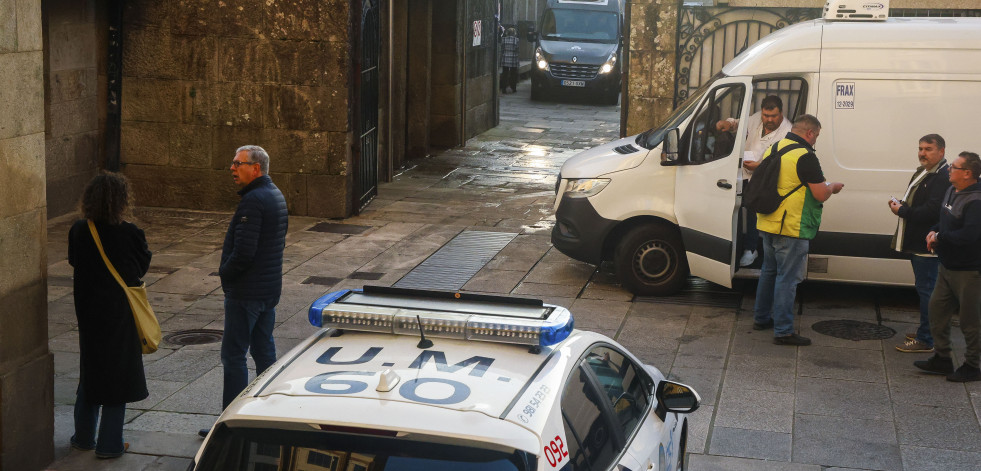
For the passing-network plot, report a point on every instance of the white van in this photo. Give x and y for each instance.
(665, 202)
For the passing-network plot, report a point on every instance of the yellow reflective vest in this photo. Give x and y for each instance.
(799, 215)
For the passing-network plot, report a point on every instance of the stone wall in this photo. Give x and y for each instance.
(650, 87)
(75, 52)
(202, 78)
(26, 365)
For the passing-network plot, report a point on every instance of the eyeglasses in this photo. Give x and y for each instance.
(237, 164)
(958, 168)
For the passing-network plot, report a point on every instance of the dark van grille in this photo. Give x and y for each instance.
(574, 71)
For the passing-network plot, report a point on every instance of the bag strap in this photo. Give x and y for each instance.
(781, 152)
(98, 243)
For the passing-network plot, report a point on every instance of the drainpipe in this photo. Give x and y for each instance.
(114, 79)
(467, 21)
(391, 84)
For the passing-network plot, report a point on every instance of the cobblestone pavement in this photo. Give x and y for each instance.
(838, 404)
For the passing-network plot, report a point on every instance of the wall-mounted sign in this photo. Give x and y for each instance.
(477, 28)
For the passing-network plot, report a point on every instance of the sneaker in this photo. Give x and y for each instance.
(748, 258)
(105, 456)
(792, 339)
(911, 336)
(763, 326)
(937, 365)
(965, 374)
(914, 346)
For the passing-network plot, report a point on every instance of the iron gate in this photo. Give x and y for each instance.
(366, 178)
(709, 37)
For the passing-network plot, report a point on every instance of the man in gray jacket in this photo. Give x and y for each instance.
(957, 242)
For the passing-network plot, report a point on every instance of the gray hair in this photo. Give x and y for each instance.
(258, 155)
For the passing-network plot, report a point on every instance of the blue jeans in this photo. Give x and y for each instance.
(784, 262)
(248, 328)
(925, 273)
(110, 441)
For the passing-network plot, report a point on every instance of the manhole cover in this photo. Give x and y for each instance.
(194, 337)
(853, 330)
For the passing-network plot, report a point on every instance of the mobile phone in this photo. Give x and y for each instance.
(894, 200)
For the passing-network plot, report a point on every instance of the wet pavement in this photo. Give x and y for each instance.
(838, 404)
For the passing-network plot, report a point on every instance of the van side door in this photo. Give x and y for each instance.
(707, 180)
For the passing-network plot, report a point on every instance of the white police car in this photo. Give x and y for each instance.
(494, 384)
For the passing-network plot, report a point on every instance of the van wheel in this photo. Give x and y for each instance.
(537, 94)
(613, 98)
(650, 260)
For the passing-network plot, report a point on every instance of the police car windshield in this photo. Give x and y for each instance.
(280, 450)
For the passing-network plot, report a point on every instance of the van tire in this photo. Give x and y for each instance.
(650, 260)
(613, 98)
(537, 94)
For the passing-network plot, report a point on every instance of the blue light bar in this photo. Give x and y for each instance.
(443, 314)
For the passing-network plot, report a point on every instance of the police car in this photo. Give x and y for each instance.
(420, 380)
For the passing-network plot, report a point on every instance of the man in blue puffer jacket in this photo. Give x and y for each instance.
(251, 270)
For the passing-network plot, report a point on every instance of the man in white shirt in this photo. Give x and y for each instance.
(766, 127)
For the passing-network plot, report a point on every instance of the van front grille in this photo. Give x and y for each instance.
(574, 71)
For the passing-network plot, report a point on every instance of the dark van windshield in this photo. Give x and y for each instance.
(252, 449)
(579, 25)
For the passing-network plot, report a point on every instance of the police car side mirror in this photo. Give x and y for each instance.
(676, 397)
(669, 148)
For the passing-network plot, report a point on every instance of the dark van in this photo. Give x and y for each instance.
(577, 48)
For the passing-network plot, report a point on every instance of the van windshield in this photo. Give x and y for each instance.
(580, 25)
(263, 449)
(652, 137)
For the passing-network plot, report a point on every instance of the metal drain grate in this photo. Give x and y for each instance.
(853, 330)
(698, 292)
(455, 263)
(194, 337)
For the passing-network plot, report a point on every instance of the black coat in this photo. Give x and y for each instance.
(252, 255)
(959, 230)
(924, 211)
(111, 359)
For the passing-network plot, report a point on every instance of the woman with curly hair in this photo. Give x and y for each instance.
(110, 361)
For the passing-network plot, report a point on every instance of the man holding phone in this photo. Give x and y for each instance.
(918, 211)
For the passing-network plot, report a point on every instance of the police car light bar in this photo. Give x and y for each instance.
(443, 314)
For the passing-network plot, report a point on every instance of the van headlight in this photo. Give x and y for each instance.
(540, 59)
(610, 62)
(584, 188)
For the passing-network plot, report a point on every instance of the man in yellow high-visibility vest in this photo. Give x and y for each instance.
(788, 230)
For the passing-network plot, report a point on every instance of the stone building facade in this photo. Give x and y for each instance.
(26, 365)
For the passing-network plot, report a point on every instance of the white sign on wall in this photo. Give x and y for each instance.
(477, 28)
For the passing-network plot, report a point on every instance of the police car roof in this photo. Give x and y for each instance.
(459, 388)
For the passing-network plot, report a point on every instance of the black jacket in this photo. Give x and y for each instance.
(959, 231)
(110, 358)
(252, 255)
(924, 211)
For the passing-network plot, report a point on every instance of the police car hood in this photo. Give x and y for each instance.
(622, 154)
(383, 380)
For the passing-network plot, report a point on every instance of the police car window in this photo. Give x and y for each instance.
(705, 142)
(626, 388)
(282, 450)
(587, 431)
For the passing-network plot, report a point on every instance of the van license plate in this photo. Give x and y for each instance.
(573, 83)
